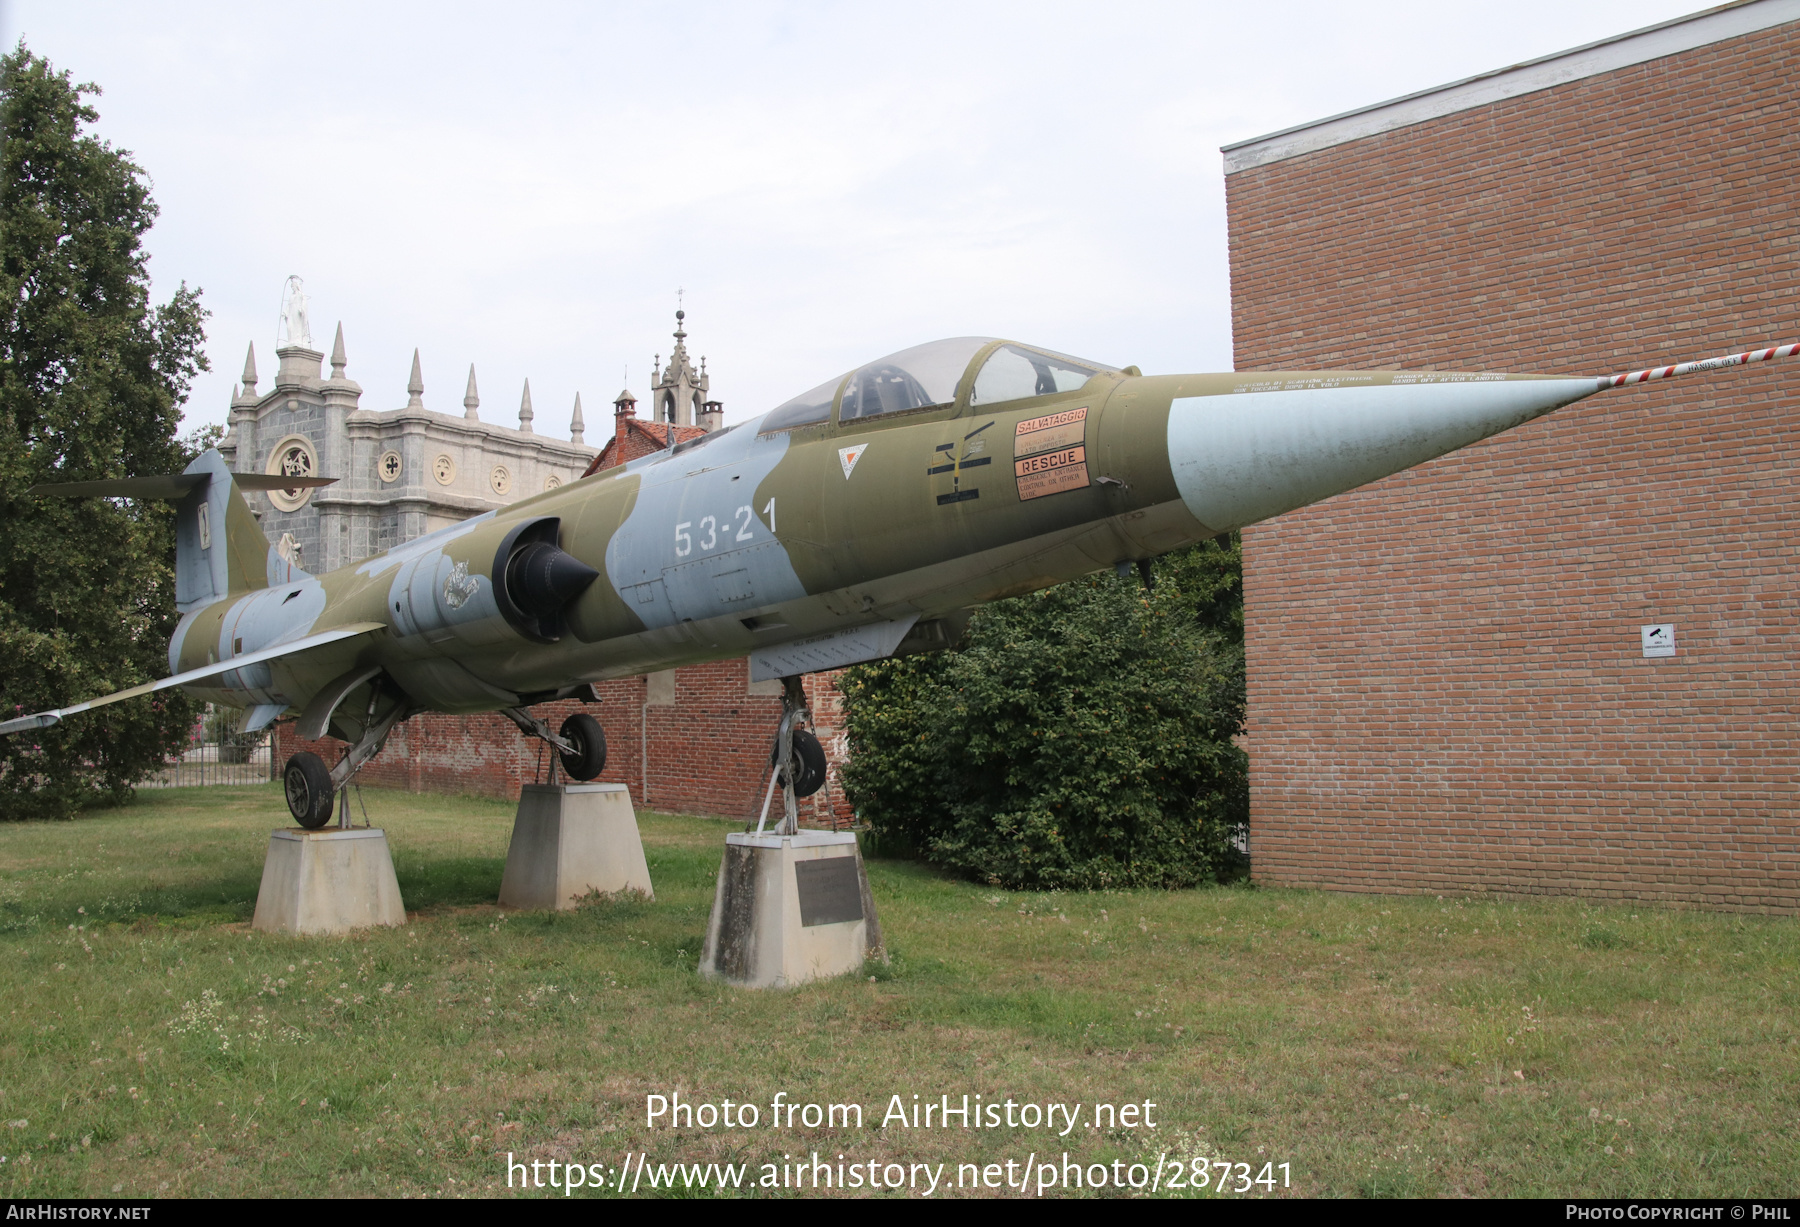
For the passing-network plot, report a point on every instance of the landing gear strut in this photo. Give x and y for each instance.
(580, 744)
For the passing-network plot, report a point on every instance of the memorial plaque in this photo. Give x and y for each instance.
(830, 891)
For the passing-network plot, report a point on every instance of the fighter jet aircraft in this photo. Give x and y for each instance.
(863, 518)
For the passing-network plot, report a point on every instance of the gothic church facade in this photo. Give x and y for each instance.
(401, 472)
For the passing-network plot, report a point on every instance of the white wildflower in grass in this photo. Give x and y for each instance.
(207, 1017)
(1187, 1149)
(1187, 1145)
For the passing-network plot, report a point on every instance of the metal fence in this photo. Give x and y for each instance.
(216, 755)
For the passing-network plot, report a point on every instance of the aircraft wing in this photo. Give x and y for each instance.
(43, 720)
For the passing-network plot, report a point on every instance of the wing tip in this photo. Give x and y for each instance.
(27, 724)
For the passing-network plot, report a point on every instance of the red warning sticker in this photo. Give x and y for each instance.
(1045, 434)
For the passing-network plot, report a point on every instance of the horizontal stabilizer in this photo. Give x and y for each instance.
(170, 485)
(278, 481)
(43, 720)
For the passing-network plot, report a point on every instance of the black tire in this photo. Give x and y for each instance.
(589, 759)
(810, 756)
(307, 781)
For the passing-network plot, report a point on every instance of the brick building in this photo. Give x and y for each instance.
(1448, 689)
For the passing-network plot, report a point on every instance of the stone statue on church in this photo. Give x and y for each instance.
(294, 329)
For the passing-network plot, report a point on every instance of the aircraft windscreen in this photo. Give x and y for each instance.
(923, 375)
(1013, 372)
(806, 409)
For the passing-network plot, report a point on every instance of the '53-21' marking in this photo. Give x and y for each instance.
(713, 533)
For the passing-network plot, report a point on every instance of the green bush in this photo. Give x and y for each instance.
(1078, 738)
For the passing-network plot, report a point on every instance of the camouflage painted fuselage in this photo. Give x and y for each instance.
(754, 538)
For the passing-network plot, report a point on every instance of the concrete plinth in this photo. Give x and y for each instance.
(328, 881)
(570, 840)
(788, 909)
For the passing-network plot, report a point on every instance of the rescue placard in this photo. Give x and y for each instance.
(1052, 472)
(1050, 453)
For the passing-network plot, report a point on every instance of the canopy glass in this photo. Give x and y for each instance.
(928, 375)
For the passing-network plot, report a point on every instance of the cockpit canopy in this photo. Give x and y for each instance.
(929, 374)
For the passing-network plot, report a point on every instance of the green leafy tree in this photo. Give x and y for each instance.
(1078, 738)
(92, 376)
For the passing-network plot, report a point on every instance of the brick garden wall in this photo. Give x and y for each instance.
(1447, 692)
(695, 742)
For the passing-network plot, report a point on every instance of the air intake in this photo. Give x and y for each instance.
(538, 579)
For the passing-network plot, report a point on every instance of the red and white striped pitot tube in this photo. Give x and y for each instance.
(1705, 364)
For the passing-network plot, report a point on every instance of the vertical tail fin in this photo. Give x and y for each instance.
(219, 548)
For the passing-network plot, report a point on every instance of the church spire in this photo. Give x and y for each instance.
(577, 427)
(471, 398)
(337, 353)
(415, 387)
(680, 392)
(250, 371)
(525, 413)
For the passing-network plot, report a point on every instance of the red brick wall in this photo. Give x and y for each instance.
(1447, 692)
(708, 752)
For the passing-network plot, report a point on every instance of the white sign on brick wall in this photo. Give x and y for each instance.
(1659, 640)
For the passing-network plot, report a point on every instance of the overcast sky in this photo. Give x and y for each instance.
(525, 186)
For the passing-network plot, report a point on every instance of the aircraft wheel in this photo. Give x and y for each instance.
(308, 784)
(589, 759)
(810, 758)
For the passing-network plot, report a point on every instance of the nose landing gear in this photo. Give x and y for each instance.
(797, 758)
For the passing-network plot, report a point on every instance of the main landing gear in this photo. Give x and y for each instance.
(580, 744)
(797, 759)
(307, 781)
(310, 785)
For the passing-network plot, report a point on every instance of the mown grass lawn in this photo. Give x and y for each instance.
(154, 1044)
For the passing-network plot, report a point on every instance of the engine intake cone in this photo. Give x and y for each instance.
(541, 579)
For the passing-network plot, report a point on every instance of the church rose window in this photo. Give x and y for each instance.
(292, 457)
(389, 466)
(500, 480)
(911, 379)
(1013, 372)
(444, 469)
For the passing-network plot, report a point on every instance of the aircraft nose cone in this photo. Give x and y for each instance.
(541, 579)
(1244, 457)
